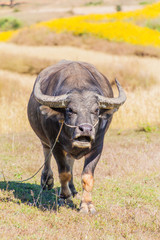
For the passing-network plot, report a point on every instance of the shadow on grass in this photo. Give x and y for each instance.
(33, 195)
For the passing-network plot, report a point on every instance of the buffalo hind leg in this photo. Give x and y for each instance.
(47, 180)
(88, 181)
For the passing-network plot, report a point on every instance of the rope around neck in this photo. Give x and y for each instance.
(100, 116)
(74, 126)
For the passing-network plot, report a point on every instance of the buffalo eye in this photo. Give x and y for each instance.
(69, 111)
(97, 111)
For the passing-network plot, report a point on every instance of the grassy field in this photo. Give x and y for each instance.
(126, 192)
(127, 180)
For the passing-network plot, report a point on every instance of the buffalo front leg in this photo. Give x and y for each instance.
(64, 170)
(65, 178)
(70, 161)
(88, 181)
(47, 174)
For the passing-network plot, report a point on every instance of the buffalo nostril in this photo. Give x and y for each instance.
(85, 128)
(81, 128)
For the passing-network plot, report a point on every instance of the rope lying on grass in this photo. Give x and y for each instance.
(56, 140)
(62, 122)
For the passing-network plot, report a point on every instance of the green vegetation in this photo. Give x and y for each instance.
(96, 3)
(145, 2)
(31, 194)
(16, 10)
(118, 8)
(147, 128)
(154, 24)
(9, 23)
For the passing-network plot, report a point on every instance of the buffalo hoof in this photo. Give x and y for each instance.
(92, 208)
(72, 189)
(87, 208)
(66, 202)
(69, 197)
(84, 208)
(61, 202)
(74, 193)
(66, 196)
(47, 180)
(65, 192)
(77, 196)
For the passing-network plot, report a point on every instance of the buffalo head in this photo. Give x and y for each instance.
(80, 110)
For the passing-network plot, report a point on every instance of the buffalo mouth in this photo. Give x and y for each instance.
(82, 142)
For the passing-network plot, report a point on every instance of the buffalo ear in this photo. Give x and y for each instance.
(111, 111)
(45, 110)
(108, 112)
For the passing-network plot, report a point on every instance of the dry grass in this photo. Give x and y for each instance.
(22, 64)
(14, 94)
(126, 192)
(44, 37)
(132, 72)
(134, 154)
(142, 109)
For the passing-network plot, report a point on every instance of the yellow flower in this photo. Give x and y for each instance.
(120, 26)
(5, 36)
(113, 31)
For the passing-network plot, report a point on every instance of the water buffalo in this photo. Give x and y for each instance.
(82, 97)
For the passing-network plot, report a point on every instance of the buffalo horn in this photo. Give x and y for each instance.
(50, 101)
(110, 103)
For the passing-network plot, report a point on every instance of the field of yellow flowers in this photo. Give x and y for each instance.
(126, 27)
